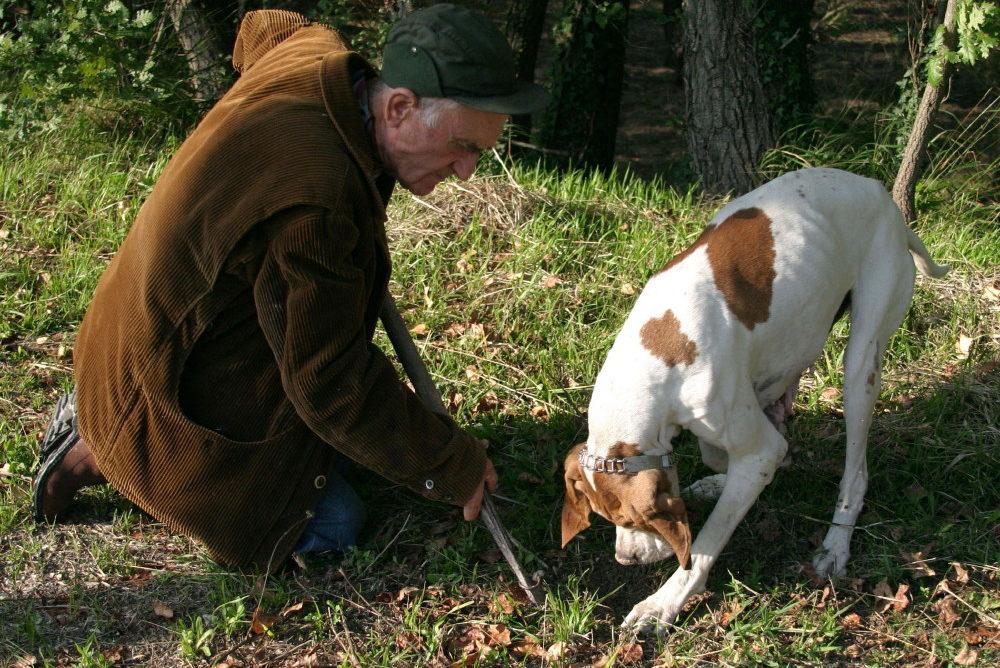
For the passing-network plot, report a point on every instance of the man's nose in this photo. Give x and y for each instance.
(465, 166)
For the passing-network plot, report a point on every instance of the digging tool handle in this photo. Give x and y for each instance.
(424, 386)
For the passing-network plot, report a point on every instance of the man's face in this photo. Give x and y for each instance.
(421, 157)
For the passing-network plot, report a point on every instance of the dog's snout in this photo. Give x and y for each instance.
(634, 547)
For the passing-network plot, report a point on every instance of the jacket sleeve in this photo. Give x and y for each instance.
(311, 298)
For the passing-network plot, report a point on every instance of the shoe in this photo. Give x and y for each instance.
(63, 420)
(60, 437)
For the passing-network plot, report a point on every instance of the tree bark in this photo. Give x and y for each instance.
(200, 48)
(729, 122)
(587, 73)
(911, 164)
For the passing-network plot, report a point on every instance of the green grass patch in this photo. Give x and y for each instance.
(515, 284)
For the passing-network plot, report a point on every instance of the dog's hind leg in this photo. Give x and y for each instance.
(880, 300)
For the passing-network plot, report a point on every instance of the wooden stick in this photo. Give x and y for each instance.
(424, 386)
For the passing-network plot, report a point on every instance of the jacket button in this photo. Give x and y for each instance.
(429, 484)
(320, 481)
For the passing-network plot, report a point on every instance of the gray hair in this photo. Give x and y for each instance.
(430, 110)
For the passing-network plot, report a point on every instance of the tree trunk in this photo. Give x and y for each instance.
(729, 122)
(525, 22)
(200, 48)
(911, 164)
(588, 68)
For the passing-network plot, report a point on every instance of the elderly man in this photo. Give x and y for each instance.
(229, 343)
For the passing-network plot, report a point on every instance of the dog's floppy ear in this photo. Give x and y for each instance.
(576, 506)
(670, 522)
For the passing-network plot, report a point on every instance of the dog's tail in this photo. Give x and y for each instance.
(922, 258)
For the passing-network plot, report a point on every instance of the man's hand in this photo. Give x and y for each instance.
(471, 508)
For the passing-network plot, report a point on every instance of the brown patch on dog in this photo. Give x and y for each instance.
(621, 450)
(741, 253)
(745, 278)
(664, 339)
(644, 501)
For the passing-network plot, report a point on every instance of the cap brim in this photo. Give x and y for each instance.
(527, 99)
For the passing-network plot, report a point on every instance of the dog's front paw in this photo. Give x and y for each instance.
(832, 559)
(650, 616)
(830, 563)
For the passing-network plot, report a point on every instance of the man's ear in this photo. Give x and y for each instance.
(670, 522)
(576, 506)
(400, 103)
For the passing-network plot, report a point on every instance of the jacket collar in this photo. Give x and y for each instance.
(338, 96)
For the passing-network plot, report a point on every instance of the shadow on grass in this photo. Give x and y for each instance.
(933, 464)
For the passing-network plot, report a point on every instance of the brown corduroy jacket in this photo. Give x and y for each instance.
(228, 344)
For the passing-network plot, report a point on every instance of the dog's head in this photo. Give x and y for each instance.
(645, 506)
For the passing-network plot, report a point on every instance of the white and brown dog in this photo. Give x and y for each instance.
(716, 344)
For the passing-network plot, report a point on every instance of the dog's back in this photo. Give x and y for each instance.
(748, 306)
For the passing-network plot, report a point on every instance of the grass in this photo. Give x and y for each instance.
(515, 284)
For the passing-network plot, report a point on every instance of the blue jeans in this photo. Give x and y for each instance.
(337, 519)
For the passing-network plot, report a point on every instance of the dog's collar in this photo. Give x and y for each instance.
(625, 465)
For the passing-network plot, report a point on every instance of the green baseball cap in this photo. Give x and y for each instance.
(457, 53)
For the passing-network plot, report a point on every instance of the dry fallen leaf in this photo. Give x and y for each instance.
(550, 282)
(556, 651)
(308, 659)
(992, 291)
(883, 591)
(409, 640)
(420, 330)
(630, 653)
(529, 647)
(498, 634)
(407, 592)
(961, 575)
(628, 289)
(967, 657)
(946, 612)
(262, 622)
(897, 601)
(917, 564)
(489, 402)
(161, 610)
(830, 394)
(851, 621)
(295, 607)
(477, 331)
(963, 346)
(502, 604)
